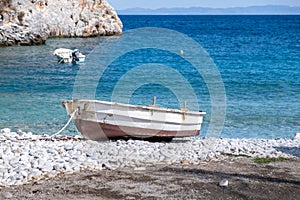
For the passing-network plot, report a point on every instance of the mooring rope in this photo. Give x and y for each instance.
(67, 124)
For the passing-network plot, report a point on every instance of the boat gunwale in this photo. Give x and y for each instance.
(150, 107)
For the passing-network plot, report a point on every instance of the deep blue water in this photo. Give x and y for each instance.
(258, 58)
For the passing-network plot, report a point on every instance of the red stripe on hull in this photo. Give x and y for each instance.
(100, 131)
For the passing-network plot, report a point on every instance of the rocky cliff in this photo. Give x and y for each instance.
(29, 22)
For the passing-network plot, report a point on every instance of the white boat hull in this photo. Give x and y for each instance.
(99, 120)
(65, 56)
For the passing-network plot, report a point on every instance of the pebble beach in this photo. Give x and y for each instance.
(25, 157)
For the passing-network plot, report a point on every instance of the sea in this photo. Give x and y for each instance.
(256, 69)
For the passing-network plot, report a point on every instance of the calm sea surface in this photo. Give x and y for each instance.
(258, 58)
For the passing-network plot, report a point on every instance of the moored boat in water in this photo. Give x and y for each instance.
(97, 120)
(69, 56)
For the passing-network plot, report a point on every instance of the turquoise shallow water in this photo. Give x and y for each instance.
(258, 58)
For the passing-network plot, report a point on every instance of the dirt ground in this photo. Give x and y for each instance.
(247, 180)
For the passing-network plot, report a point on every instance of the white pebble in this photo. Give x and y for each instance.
(139, 169)
(6, 195)
(5, 130)
(297, 136)
(224, 183)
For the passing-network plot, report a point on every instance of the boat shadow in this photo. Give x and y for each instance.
(211, 174)
(153, 139)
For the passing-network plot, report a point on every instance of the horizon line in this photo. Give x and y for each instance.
(211, 7)
(213, 11)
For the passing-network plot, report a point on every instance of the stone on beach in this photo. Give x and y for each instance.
(6, 195)
(297, 136)
(224, 183)
(25, 157)
(5, 130)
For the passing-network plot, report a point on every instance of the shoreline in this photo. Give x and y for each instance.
(27, 158)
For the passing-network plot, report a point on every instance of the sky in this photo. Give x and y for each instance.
(153, 4)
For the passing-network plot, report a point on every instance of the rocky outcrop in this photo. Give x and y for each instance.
(29, 22)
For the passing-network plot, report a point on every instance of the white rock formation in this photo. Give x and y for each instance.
(28, 22)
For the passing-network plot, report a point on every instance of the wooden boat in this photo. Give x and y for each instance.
(98, 120)
(69, 56)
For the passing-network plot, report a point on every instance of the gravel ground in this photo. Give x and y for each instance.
(246, 180)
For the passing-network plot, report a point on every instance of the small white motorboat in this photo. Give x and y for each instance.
(98, 120)
(69, 56)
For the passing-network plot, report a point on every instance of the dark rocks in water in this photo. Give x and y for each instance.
(31, 22)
